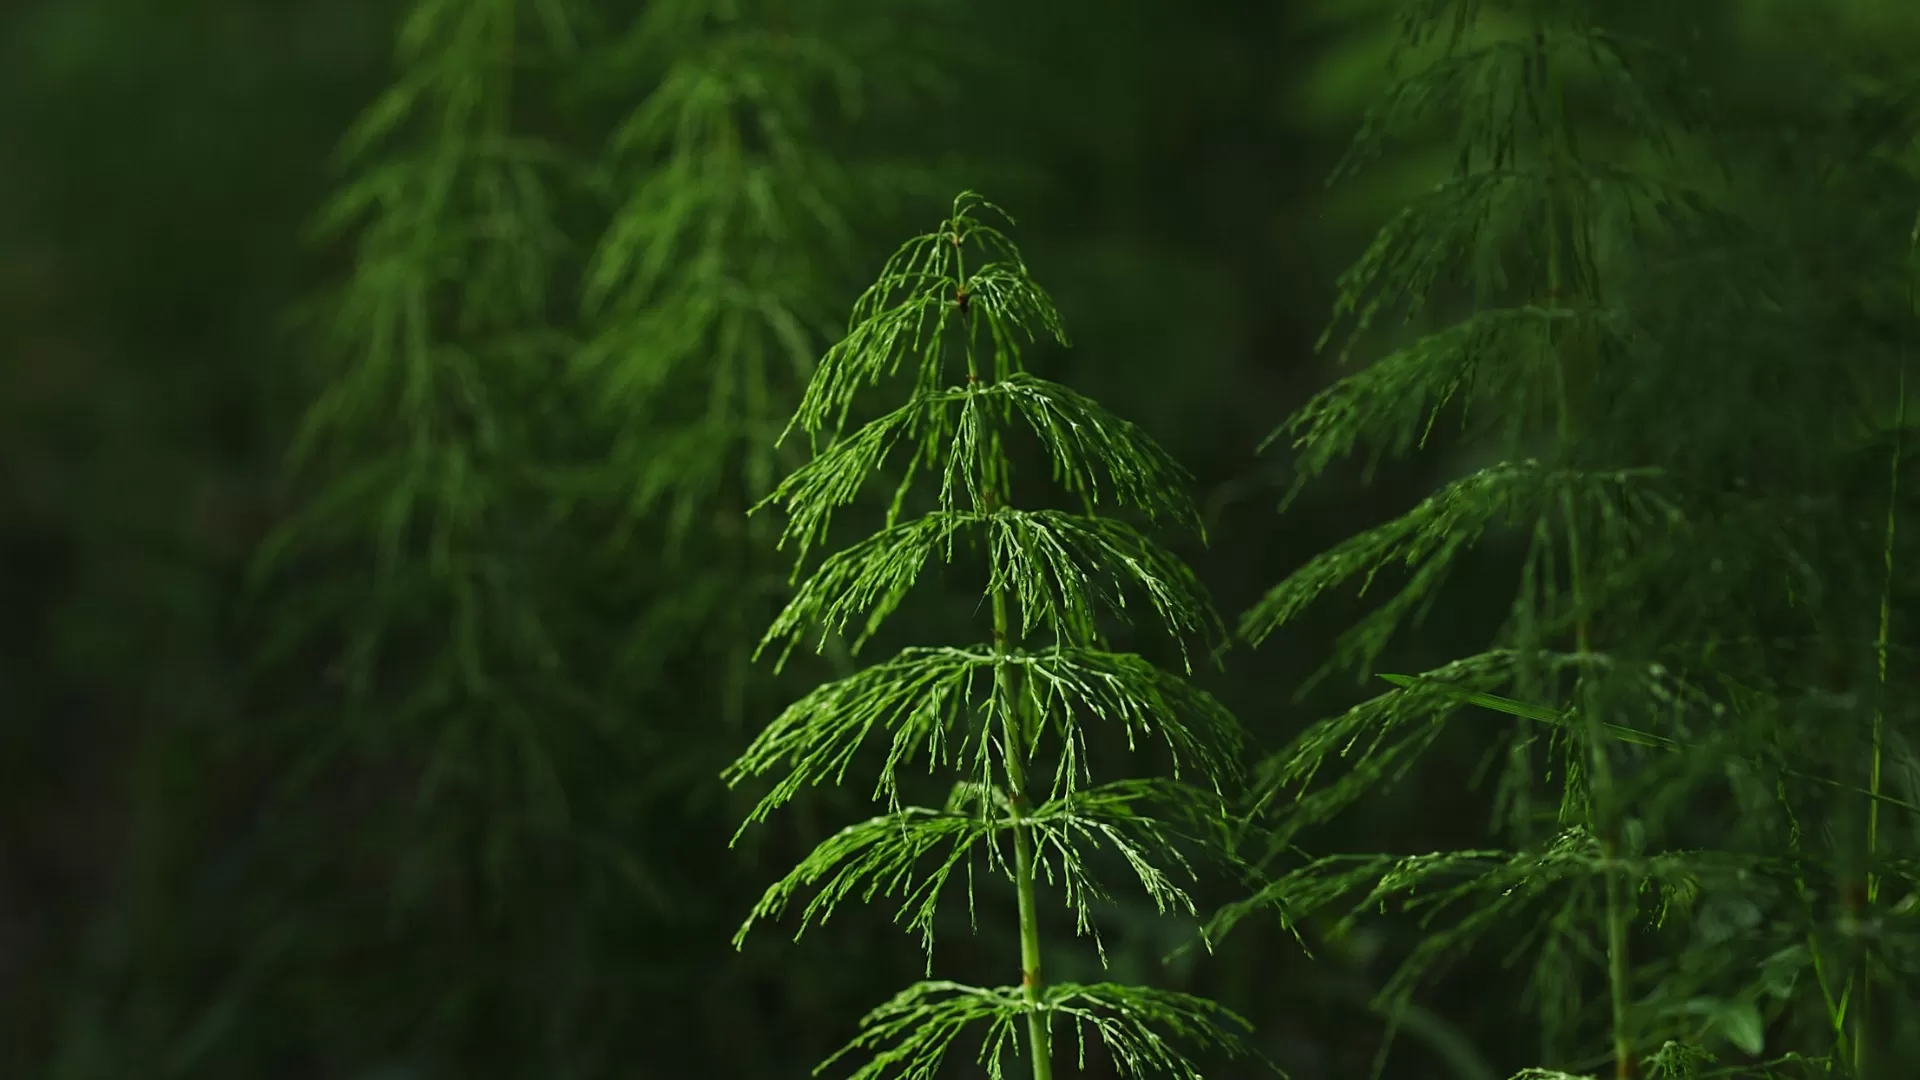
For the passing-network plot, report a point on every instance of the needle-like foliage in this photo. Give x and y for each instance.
(1658, 436)
(951, 313)
(544, 374)
(417, 567)
(716, 279)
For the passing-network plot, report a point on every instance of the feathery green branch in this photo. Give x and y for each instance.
(1001, 717)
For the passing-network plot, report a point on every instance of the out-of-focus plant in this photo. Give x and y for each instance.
(1615, 329)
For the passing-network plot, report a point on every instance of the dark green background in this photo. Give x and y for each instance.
(166, 909)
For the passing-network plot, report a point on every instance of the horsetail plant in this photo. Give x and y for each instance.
(1538, 236)
(714, 282)
(1671, 575)
(1008, 720)
(418, 561)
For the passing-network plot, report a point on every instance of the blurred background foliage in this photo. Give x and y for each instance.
(401, 762)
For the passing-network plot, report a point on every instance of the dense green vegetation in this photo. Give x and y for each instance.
(1016, 718)
(391, 522)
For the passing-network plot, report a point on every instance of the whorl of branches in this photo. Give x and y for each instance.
(954, 332)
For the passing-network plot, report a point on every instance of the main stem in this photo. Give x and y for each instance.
(1032, 980)
(1606, 819)
(1605, 807)
(1014, 736)
(1874, 780)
